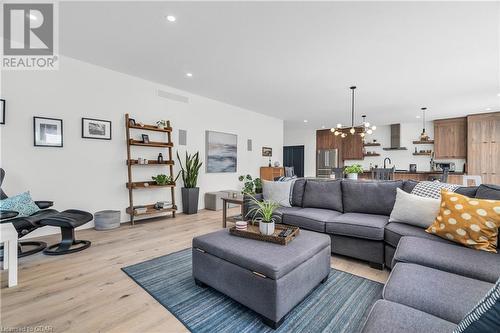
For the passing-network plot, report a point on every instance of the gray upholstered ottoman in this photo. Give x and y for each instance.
(268, 278)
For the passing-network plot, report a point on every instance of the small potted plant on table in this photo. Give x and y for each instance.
(352, 171)
(265, 210)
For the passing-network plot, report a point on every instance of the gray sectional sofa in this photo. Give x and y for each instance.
(433, 284)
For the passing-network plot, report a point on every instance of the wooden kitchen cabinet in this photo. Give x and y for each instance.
(483, 151)
(352, 147)
(450, 138)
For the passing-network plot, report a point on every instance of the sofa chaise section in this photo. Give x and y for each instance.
(390, 317)
(457, 259)
(441, 294)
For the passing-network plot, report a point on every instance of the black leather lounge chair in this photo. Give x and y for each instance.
(67, 221)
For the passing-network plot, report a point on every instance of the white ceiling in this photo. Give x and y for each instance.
(296, 60)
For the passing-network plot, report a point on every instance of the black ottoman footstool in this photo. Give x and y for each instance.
(67, 221)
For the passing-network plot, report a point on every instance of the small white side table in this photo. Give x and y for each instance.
(8, 236)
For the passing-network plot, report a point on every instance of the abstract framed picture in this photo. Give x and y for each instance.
(96, 129)
(47, 132)
(221, 152)
(2, 111)
(267, 151)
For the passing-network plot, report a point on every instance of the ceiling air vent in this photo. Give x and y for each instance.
(172, 96)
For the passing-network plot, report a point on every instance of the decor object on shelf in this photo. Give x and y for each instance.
(48, 132)
(352, 171)
(414, 210)
(471, 222)
(189, 172)
(160, 158)
(162, 124)
(107, 220)
(250, 185)
(276, 164)
(141, 185)
(145, 138)
(267, 151)
(96, 129)
(221, 152)
(2, 111)
(265, 209)
(163, 179)
(423, 135)
(363, 129)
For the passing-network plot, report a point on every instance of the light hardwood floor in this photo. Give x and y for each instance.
(88, 292)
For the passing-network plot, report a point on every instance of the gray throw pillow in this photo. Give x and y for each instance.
(325, 194)
(414, 210)
(278, 192)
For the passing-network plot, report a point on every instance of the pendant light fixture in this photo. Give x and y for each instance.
(363, 129)
(423, 135)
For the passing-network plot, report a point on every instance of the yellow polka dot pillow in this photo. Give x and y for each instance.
(468, 221)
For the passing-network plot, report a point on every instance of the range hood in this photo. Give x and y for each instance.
(395, 138)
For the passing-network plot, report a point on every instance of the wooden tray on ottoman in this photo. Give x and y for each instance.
(253, 232)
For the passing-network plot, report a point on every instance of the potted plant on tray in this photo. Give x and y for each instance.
(265, 209)
(190, 192)
(353, 170)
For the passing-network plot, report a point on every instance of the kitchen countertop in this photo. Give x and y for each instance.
(406, 172)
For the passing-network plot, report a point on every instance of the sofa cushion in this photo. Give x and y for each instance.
(325, 194)
(488, 191)
(371, 197)
(310, 218)
(442, 294)
(368, 226)
(449, 257)
(389, 317)
(408, 185)
(468, 191)
(395, 230)
(298, 192)
(263, 257)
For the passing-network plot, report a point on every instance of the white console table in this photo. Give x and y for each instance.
(8, 236)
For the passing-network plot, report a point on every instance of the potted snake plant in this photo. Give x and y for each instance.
(190, 192)
(265, 209)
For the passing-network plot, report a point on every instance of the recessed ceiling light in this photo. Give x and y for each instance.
(33, 17)
(171, 18)
(498, 94)
(305, 120)
(323, 126)
(418, 117)
(189, 74)
(488, 109)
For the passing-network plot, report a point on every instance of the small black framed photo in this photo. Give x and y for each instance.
(47, 132)
(96, 129)
(145, 138)
(267, 151)
(131, 122)
(2, 111)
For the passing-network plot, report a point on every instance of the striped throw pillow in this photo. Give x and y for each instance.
(485, 317)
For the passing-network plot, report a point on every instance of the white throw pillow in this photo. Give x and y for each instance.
(277, 191)
(414, 210)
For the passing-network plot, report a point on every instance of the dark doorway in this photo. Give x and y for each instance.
(294, 156)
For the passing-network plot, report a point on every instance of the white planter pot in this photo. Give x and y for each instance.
(266, 228)
(352, 176)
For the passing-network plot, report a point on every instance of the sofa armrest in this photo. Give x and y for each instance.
(5, 215)
(448, 257)
(44, 204)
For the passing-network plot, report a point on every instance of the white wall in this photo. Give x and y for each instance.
(91, 174)
(400, 158)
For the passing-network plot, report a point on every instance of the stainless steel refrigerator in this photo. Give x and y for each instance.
(325, 161)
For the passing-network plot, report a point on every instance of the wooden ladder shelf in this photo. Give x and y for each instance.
(131, 185)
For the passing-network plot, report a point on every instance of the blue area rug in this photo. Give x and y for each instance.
(339, 305)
